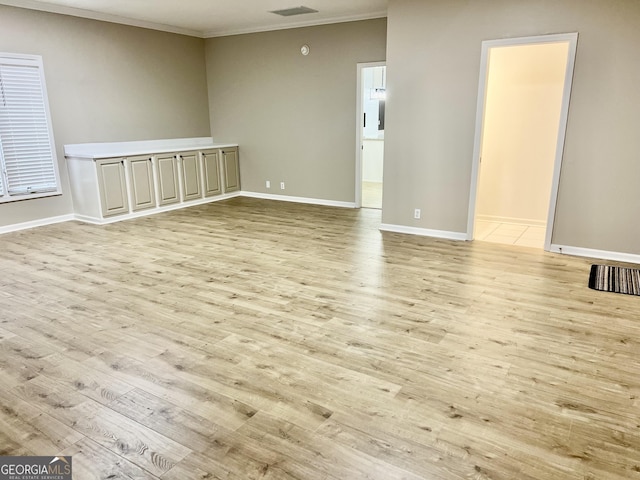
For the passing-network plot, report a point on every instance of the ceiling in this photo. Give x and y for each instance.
(210, 18)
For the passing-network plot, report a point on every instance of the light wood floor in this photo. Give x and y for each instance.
(249, 339)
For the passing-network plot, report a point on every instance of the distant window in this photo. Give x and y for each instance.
(28, 164)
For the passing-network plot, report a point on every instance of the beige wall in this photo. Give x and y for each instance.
(433, 61)
(525, 84)
(107, 82)
(293, 116)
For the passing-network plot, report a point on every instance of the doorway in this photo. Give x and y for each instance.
(523, 102)
(370, 134)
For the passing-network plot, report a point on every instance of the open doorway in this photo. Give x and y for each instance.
(524, 88)
(370, 134)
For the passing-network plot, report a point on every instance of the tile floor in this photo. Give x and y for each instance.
(495, 232)
(510, 233)
(371, 195)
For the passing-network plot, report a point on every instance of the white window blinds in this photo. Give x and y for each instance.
(27, 156)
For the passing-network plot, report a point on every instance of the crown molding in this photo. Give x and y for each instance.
(103, 17)
(106, 17)
(301, 24)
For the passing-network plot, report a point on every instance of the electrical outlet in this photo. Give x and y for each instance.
(268, 184)
(416, 214)
(281, 185)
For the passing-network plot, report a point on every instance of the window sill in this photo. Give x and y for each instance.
(19, 198)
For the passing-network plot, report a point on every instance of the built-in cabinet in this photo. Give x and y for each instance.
(167, 176)
(231, 169)
(211, 173)
(190, 169)
(112, 186)
(142, 185)
(126, 185)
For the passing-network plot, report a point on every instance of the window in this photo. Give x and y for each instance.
(28, 164)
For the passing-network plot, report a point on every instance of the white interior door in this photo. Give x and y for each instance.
(370, 109)
(523, 101)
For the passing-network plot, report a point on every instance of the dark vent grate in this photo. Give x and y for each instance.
(289, 12)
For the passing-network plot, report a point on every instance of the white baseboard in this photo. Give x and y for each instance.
(36, 223)
(118, 218)
(286, 198)
(599, 254)
(152, 211)
(425, 232)
(512, 220)
(563, 249)
(143, 213)
(91, 220)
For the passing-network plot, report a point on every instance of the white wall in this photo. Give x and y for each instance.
(106, 82)
(372, 160)
(373, 77)
(522, 111)
(373, 139)
(293, 116)
(433, 64)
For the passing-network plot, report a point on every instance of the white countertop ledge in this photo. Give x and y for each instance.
(93, 151)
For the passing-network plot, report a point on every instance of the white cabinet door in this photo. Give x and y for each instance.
(231, 169)
(191, 188)
(112, 185)
(143, 193)
(167, 171)
(211, 173)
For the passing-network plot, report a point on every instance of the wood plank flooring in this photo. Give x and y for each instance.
(249, 339)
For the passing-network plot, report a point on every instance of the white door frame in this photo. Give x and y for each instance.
(572, 38)
(359, 121)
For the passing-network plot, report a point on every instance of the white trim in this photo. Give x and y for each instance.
(562, 131)
(535, 40)
(94, 151)
(152, 211)
(300, 24)
(36, 223)
(286, 198)
(561, 249)
(424, 232)
(572, 39)
(31, 61)
(514, 221)
(30, 196)
(110, 18)
(359, 127)
(599, 254)
(477, 140)
(168, 208)
(100, 16)
(94, 221)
